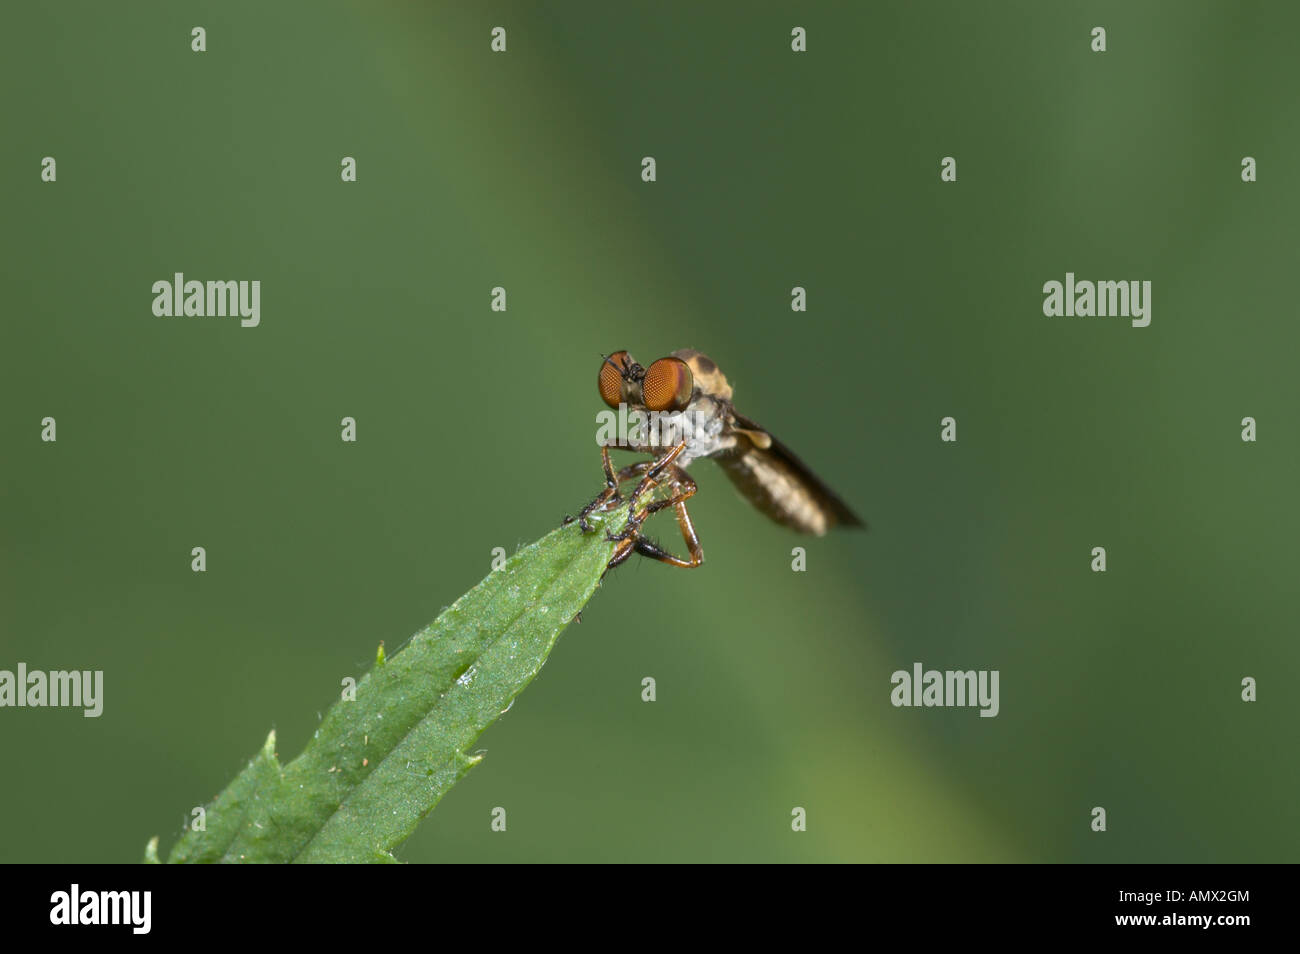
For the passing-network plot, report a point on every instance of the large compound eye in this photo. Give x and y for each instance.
(667, 385)
(610, 382)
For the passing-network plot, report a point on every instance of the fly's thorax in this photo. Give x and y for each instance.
(704, 429)
(709, 379)
(701, 426)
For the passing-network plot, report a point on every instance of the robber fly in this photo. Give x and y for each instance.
(692, 397)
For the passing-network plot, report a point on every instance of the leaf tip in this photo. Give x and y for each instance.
(379, 656)
(151, 852)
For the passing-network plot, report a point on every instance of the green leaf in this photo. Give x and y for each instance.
(381, 762)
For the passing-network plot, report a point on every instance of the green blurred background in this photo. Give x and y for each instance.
(476, 428)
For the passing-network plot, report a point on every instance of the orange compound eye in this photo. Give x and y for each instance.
(667, 386)
(610, 381)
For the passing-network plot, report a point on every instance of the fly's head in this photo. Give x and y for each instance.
(683, 398)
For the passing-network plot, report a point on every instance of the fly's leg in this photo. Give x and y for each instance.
(646, 469)
(649, 549)
(634, 470)
(611, 490)
(621, 553)
(681, 487)
(651, 473)
(630, 539)
(651, 478)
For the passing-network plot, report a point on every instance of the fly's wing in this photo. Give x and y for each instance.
(779, 484)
